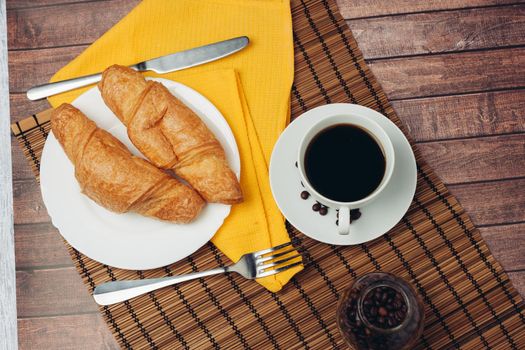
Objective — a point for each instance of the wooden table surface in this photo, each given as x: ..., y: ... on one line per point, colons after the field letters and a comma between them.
x: 454, y: 70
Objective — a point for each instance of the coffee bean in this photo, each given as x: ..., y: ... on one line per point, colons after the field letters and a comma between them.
x: 382, y: 311
x: 354, y: 214
x: 296, y: 164
x: 384, y: 297
x: 323, y: 211
x: 337, y: 222
x: 401, y: 314
x: 305, y: 195
x: 316, y: 207
x: 373, y: 311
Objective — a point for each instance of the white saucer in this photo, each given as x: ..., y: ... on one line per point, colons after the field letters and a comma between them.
x: 129, y: 240
x: 377, y: 217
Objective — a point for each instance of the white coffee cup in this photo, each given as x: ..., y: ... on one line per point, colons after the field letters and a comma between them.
x: 382, y: 139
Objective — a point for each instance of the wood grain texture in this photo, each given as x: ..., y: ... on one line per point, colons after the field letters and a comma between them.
x: 76, y: 332
x: 403, y: 78
x: 39, y: 27
x: 28, y: 205
x: 52, y: 292
x: 506, y: 242
x: 21, y: 107
x: 451, y: 73
x: 367, y: 8
x: 40, y: 245
x: 436, y: 32
x: 478, y: 159
x: 518, y: 280
x: 21, y: 168
x: 479, y: 114
x: 491, y: 203
x: 28, y: 68
x: 8, y: 335
x: 18, y: 4
x: 488, y: 203
x: 427, y: 119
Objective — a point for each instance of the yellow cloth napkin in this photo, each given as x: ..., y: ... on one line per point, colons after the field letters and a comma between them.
x: 251, y: 88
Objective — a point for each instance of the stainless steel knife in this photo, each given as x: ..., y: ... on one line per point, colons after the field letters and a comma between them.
x: 169, y: 63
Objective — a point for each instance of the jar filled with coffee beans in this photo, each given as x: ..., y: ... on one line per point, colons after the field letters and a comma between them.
x: 380, y: 311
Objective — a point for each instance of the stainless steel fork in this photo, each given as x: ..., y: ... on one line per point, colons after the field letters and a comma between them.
x: 258, y: 264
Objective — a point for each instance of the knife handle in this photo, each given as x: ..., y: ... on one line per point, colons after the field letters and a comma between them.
x: 50, y: 89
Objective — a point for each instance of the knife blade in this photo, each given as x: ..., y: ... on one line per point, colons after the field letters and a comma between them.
x: 164, y: 64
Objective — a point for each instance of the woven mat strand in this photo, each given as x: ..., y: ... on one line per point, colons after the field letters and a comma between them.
x: 470, y: 302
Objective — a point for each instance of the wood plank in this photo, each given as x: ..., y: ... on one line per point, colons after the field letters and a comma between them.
x: 455, y: 161
x: 433, y: 118
x: 477, y: 159
x: 30, y: 67
x: 449, y: 74
x: 402, y: 78
x: 506, y: 243
x: 8, y: 337
x: 367, y: 8
x: 447, y: 117
x: 18, y: 4
x: 21, y: 168
x: 488, y: 203
x: 28, y: 205
x: 437, y: 32
x: 52, y: 292
x: 40, y: 245
x: 39, y: 27
x: 21, y: 107
x: 78, y: 332
x: 518, y: 280
x: 492, y: 203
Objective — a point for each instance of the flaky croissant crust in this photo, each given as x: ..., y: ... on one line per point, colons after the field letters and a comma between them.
x: 111, y: 176
x: 169, y: 133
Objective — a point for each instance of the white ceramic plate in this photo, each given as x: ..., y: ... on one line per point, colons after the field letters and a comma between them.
x: 377, y: 217
x: 129, y: 240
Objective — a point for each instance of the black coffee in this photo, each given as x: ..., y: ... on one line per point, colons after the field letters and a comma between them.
x: 344, y: 163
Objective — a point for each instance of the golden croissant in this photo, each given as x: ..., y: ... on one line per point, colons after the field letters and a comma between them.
x: 114, y: 178
x: 169, y: 133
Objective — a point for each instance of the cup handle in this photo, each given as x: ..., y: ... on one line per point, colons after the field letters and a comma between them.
x: 344, y: 221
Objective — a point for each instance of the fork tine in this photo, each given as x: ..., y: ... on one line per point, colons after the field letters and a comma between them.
x: 270, y: 257
x: 280, y: 269
x: 278, y: 262
x: 269, y: 250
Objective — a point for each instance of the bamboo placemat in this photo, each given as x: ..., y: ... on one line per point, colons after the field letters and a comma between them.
x: 470, y: 302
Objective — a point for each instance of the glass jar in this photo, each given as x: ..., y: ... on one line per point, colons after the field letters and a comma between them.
x: 380, y: 311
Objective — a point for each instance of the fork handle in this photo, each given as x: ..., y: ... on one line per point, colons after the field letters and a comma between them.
x: 117, y: 291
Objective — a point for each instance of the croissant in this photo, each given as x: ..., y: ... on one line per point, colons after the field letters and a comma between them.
x: 170, y: 134
x: 111, y: 176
